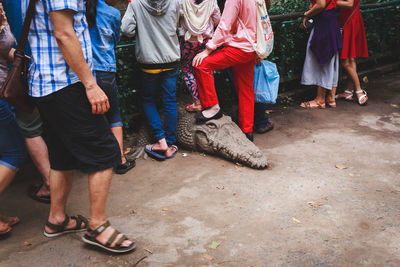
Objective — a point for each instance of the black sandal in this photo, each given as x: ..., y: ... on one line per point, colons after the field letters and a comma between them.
x: 90, y: 238
x: 60, y: 228
x: 34, y: 189
x: 124, y: 168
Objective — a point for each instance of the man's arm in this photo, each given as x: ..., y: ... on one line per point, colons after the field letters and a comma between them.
x: 128, y: 27
x: 345, y: 3
x: 72, y: 51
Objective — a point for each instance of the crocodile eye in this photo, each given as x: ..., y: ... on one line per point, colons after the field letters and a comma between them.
x: 211, y: 126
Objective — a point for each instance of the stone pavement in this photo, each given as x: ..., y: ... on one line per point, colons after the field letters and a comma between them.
x: 302, y: 211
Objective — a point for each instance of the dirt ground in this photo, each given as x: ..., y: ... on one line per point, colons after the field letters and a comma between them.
x: 330, y: 198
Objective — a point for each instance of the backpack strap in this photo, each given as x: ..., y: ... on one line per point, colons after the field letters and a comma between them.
x: 248, y: 35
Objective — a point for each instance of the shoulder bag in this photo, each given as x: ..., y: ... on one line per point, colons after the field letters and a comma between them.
x: 15, y: 88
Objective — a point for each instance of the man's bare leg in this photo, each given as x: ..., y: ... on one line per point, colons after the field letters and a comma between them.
x: 118, y: 133
x: 99, y: 185
x: 6, y: 176
x: 60, y: 187
x: 37, y: 149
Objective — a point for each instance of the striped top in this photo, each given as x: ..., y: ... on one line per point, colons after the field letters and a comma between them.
x: 49, y: 72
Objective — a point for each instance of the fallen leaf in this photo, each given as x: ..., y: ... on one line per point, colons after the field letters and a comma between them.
x: 395, y: 106
x: 239, y: 164
x: 296, y: 220
x: 325, y: 239
x: 238, y: 168
x: 313, y: 205
x: 202, y: 154
x: 340, y: 167
x: 208, y: 257
x: 365, y: 79
x: 214, y: 244
x: 351, y: 174
x: 164, y: 209
x: 27, y: 244
x: 149, y: 251
x: 184, y: 155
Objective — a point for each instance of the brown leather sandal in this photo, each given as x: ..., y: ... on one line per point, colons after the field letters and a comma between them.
x: 4, y: 228
x: 11, y: 221
x: 309, y: 105
x: 91, y: 235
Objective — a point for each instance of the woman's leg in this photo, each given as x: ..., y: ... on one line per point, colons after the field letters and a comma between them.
x: 12, y: 153
x: 188, y: 51
x: 318, y: 102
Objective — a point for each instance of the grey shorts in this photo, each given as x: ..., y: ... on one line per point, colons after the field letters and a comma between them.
x: 30, y: 124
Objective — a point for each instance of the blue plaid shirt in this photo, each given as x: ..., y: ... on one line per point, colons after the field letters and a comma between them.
x: 49, y: 72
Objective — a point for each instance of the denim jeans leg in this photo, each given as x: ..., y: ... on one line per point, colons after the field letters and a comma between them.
x: 168, y: 85
x: 260, y: 117
x: 149, y: 87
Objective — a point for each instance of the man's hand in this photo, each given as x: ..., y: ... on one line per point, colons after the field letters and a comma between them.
x: 200, y: 56
x: 98, y: 99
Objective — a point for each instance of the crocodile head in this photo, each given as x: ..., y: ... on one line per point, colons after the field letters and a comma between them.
x: 221, y: 137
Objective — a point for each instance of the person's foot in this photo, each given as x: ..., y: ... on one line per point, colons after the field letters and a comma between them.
x: 346, y: 95
x: 362, y: 97
x: 108, y: 238
x: 44, y: 191
x: 250, y: 136
x: 56, y: 227
x: 156, y: 150
x: 331, y: 102
x: 10, y: 221
x: 125, y: 167
x: 266, y: 128
x: 194, y: 107
x: 39, y: 192
x: 4, y: 228
x: 171, y: 152
x: 204, y: 116
x: 313, y: 104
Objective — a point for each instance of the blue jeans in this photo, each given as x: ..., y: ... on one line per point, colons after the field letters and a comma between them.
x: 12, y: 146
x: 150, y: 84
x: 107, y: 82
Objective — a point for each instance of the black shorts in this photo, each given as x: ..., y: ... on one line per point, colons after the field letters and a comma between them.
x: 76, y: 138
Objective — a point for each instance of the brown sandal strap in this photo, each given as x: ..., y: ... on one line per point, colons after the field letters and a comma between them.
x: 95, y: 232
x: 79, y: 220
x: 58, y: 227
x: 120, y: 240
x: 112, y: 238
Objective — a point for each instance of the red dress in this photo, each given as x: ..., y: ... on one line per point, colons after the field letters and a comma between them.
x: 354, y: 40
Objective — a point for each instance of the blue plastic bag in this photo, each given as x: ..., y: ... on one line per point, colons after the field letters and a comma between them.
x: 265, y: 82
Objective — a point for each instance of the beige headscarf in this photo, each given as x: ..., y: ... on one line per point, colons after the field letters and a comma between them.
x: 196, y: 17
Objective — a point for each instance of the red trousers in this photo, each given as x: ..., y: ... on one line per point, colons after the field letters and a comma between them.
x: 243, y: 71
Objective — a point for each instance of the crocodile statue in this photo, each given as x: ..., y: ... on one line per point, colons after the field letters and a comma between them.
x: 220, y: 137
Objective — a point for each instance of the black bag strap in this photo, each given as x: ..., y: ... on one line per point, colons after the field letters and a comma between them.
x: 27, y: 24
